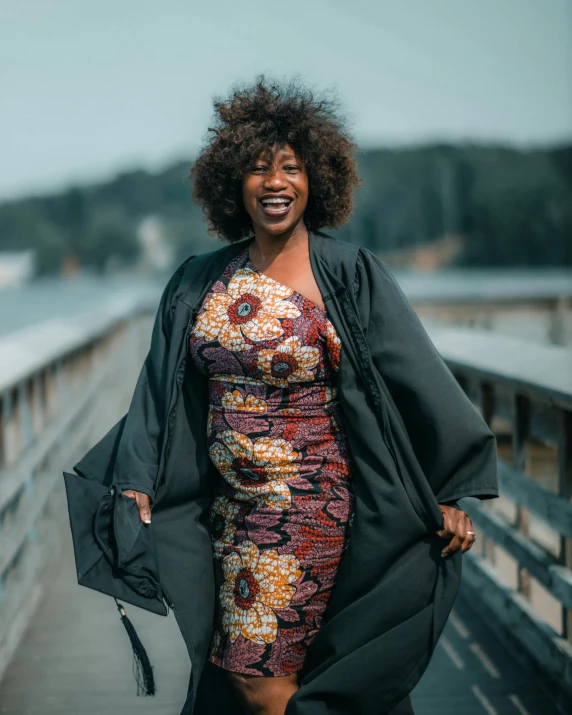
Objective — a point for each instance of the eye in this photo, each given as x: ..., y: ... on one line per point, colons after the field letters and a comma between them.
x: 292, y: 167
x: 258, y: 169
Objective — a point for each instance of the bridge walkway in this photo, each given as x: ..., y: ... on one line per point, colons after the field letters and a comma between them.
x: 75, y: 659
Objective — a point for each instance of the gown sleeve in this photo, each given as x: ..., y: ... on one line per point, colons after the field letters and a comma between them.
x: 452, y: 503
x: 452, y: 443
x: 137, y: 460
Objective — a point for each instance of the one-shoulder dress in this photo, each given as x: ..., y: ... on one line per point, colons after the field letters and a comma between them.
x: 285, y: 499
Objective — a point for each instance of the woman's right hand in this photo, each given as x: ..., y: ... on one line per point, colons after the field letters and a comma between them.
x: 143, y: 504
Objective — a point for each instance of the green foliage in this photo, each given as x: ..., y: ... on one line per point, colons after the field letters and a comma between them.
x: 509, y: 207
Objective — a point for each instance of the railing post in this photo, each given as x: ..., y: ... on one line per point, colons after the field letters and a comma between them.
x: 37, y: 405
x: 565, y: 491
x: 520, y: 435
x: 25, y: 415
x: 558, y: 323
x: 487, y: 405
x: 11, y: 427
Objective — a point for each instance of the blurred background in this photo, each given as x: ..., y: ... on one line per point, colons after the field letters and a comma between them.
x: 463, y: 116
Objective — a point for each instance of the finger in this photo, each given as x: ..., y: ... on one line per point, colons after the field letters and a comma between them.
x: 445, y: 533
x: 144, y: 505
x: 460, y: 539
x: 471, y: 536
x: 470, y: 540
x: 448, y: 529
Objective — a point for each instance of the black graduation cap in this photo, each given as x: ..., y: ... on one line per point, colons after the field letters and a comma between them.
x: 115, y: 554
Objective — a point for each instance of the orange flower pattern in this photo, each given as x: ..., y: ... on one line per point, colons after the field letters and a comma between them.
x: 284, y: 502
x: 256, y: 584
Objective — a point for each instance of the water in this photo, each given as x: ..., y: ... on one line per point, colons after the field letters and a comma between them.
x: 46, y: 299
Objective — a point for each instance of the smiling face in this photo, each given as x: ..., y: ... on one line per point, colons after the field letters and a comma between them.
x: 275, y: 192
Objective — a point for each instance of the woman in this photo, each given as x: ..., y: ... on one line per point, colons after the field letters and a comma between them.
x: 295, y: 428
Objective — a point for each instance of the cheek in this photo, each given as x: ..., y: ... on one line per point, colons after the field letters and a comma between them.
x: 248, y: 197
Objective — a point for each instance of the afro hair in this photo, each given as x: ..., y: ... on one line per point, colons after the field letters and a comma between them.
x: 264, y: 116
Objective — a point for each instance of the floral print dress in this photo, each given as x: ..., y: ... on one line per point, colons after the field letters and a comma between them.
x: 285, y: 498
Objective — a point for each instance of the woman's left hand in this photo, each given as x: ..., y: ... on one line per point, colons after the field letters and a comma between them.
x: 458, y: 528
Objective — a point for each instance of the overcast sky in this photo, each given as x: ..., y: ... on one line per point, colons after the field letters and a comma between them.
x: 90, y: 87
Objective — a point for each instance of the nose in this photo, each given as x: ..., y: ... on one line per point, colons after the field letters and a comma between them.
x: 274, y: 180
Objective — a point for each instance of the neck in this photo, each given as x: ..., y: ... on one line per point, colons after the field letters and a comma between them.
x: 266, y: 246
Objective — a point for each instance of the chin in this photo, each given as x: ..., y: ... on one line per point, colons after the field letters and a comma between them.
x: 279, y: 228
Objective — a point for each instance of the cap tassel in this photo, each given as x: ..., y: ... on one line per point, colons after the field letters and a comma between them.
x: 142, y: 668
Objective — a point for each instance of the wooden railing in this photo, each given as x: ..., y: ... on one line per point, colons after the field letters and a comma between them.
x: 520, y: 569
x: 62, y: 384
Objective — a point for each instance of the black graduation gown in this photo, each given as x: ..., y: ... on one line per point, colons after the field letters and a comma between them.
x: 416, y: 439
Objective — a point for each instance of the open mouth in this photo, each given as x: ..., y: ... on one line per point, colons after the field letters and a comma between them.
x: 277, y: 206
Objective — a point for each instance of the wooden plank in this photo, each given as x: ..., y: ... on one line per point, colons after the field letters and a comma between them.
x: 565, y: 492
x: 544, y: 567
x: 541, y: 372
x: 548, y: 653
x: 550, y: 508
x: 13, y: 477
x: 13, y: 539
x: 76, y: 658
x: 544, y: 422
x: 18, y: 610
x: 470, y: 656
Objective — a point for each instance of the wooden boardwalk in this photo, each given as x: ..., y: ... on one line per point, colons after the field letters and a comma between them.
x: 76, y: 660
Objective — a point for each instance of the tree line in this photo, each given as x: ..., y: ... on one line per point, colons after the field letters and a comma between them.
x: 509, y: 207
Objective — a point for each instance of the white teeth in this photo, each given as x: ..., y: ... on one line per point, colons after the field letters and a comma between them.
x: 275, y: 201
